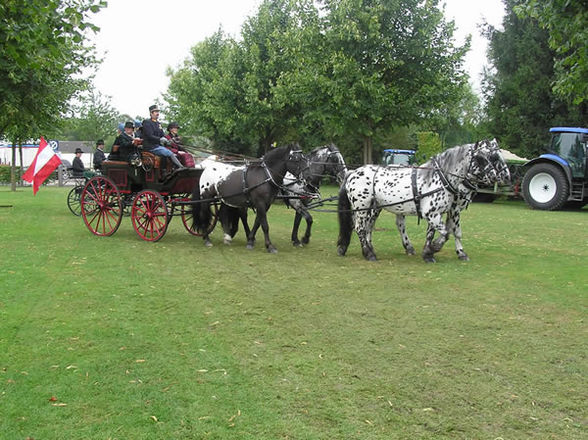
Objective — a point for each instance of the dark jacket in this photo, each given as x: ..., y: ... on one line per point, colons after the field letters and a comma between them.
x: 152, y: 133
x: 99, y: 157
x: 125, y: 147
x: 77, y: 167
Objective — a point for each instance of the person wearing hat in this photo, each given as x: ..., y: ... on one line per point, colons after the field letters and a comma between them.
x: 176, y: 146
x: 99, y: 155
x: 154, y: 138
x: 77, y: 165
x: 125, y: 143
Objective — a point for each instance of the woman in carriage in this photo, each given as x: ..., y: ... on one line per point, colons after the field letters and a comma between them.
x: 176, y: 146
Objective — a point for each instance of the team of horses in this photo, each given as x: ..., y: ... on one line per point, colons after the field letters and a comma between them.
x: 436, y: 191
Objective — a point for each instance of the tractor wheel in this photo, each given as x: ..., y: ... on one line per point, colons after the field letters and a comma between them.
x: 545, y: 186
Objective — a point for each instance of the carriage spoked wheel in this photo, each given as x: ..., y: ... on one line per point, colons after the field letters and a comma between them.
x: 101, y: 206
x: 74, y: 200
x: 149, y: 215
x: 187, y: 217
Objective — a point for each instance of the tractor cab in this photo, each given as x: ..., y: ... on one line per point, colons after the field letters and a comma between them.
x: 569, y: 147
x: 396, y: 157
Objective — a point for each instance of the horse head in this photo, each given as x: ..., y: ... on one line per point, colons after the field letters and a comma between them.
x: 336, y: 164
x: 297, y: 162
x: 487, y: 165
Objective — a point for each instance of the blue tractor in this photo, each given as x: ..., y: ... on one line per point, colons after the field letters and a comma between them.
x: 394, y: 156
x: 561, y: 175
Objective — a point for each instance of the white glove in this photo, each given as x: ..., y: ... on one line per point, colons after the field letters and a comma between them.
x: 164, y: 141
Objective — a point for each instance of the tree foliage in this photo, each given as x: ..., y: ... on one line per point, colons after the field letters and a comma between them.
x: 567, y: 25
x: 349, y: 71
x: 43, y: 49
x: 521, y: 105
x: 92, y: 117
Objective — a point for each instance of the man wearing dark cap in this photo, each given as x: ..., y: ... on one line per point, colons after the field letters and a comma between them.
x: 77, y: 165
x: 154, y: 137
x: 99, y: 155
x: 125, y: 143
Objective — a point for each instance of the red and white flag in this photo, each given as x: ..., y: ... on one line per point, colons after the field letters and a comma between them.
x: 43, y: 165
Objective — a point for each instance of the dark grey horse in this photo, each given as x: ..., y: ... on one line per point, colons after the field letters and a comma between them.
x: 323, y: 161
x: 252, y: 186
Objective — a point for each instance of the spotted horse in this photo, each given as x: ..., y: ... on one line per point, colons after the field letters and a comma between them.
x: 443, y: 185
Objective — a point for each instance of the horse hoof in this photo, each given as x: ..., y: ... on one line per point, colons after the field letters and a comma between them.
x: 305, y: 240
x: 272, y: 250
x: 341, y: 251
x: 296, y: 243
x: 464, y: 258
x: 208, y: 243
x: 227, y: 242
x: 410, y: 251
x: 429, y: 260
x: 250, y: 246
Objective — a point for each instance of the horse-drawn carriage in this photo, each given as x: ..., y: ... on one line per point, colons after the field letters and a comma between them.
x: 151, y: 194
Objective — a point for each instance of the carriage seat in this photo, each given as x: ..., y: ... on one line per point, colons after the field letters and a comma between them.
x: 148, y: 157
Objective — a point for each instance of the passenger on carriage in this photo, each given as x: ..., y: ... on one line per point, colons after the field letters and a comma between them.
x: 154, y: 138
x: 99, y: 155
x: 125, y: 144
x: 176, y: 146
x: 77, y: 166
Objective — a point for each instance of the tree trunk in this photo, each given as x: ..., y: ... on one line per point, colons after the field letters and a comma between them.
x: 13, y: 168
x: 19, y: 179
x: 367, y: 150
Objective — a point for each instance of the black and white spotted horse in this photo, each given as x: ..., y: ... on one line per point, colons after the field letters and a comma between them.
x: 443, y: 185
x: 323, y: 161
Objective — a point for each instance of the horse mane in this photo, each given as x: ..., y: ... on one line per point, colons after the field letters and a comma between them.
x: 278, y: 154
x: 452, y: 159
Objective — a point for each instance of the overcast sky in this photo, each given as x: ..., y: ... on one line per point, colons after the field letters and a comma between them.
x: 166, y: 30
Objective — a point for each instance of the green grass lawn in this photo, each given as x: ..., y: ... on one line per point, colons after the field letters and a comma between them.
x: 116, y: 338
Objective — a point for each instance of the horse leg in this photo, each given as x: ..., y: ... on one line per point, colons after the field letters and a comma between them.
x: 400, y: 224
x: 262, y: 215
x: 454, y: 225
x: 243, y: 217
x: 364, y: 222
x: 432, y: 246
x: 294, y: 237
x: 308, y: 218
x: 251, y: 236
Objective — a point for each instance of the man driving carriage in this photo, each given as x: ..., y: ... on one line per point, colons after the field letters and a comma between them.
x: 154, y: 138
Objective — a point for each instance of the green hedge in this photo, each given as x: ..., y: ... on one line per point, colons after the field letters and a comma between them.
x: 5, y: 173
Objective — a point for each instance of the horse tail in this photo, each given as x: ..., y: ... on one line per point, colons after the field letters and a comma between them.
x: 201, y: 215
x: 345, y: 215
x: 229, y: 218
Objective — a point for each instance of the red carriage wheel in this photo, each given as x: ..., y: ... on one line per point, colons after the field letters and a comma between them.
x: 187, y: 217
x: 101, y: 206
x: 149, y: 215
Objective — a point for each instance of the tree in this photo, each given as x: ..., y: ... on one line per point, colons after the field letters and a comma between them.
x: 390, y: 64
x: 92, y: 117
x: 567, y: 25
x: 43, y: 48
x: 521, y: 105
